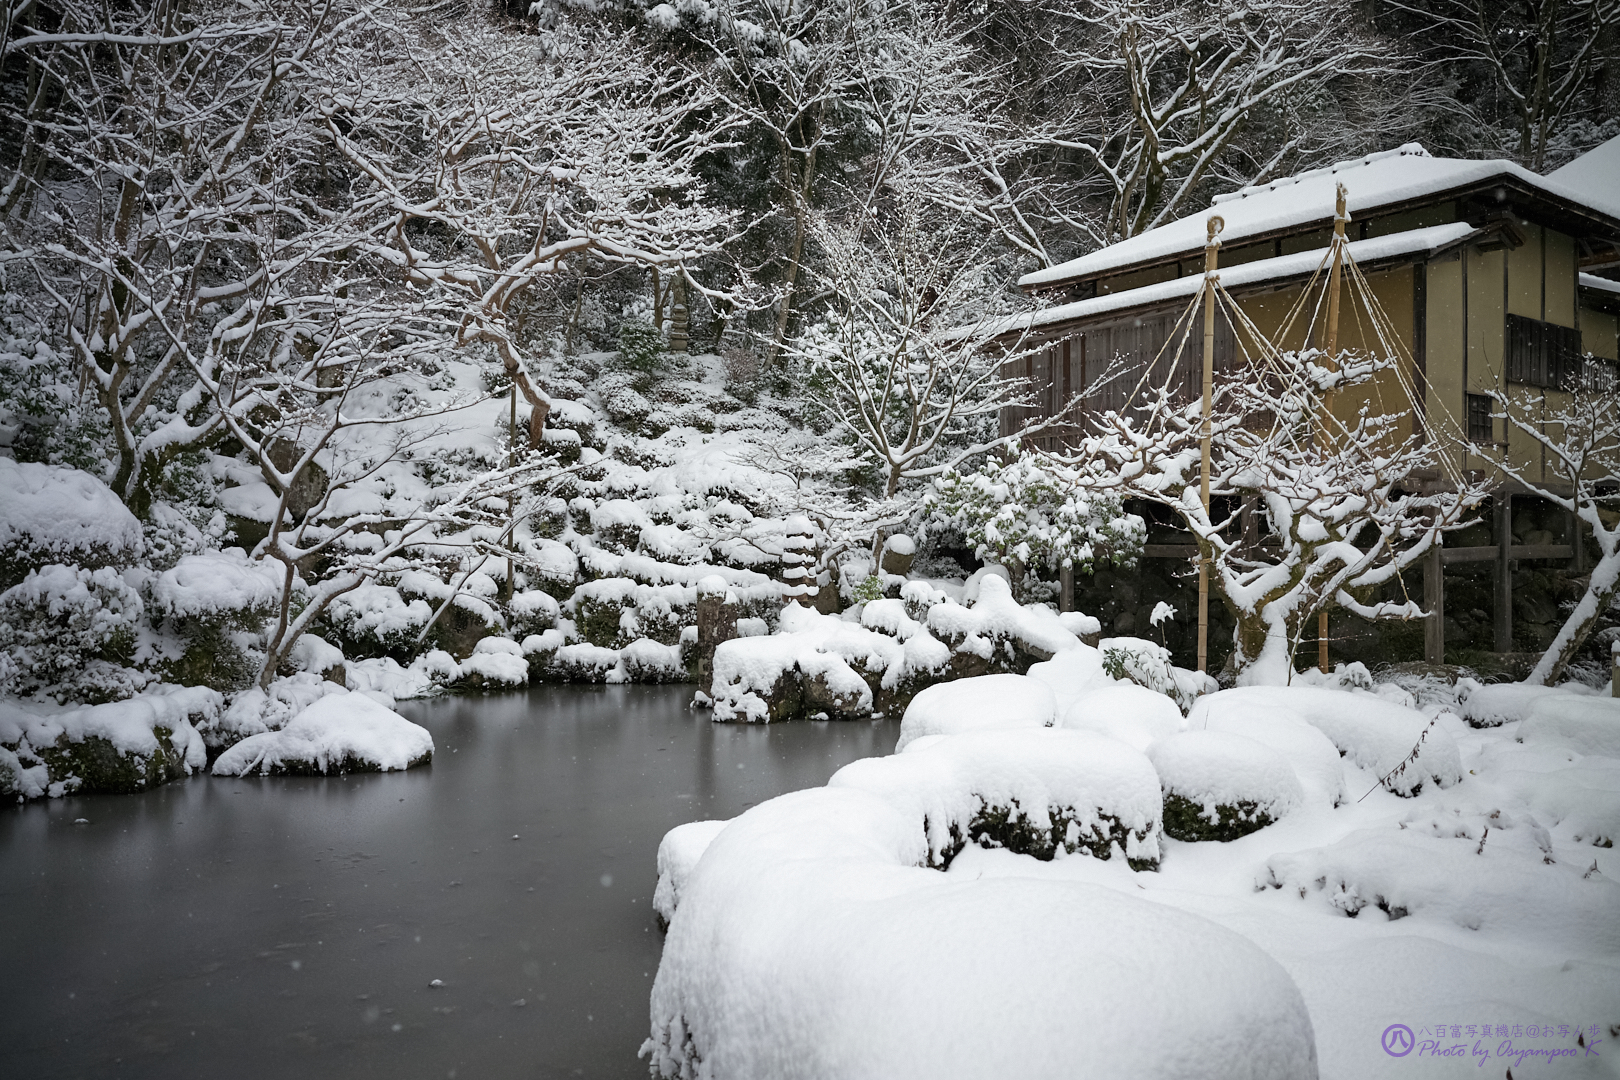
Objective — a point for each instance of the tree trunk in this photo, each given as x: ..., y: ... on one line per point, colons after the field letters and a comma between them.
x: 1600, y: 590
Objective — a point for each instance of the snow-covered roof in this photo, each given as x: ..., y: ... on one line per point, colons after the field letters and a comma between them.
x: 1596, y: 175
x: 1377, y: 180
x: 1296, y: 265
x: 1592, y: 281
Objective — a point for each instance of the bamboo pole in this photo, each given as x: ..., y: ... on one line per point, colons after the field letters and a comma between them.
x: 1212, y: 249
x: 1340, y: 218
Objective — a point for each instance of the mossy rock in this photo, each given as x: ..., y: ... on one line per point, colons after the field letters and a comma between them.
x: 349, y: 764
x: 102, y: 767
x: 1187, y: 820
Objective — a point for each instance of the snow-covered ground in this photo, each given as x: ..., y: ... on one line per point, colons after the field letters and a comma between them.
x: 1471, y: 896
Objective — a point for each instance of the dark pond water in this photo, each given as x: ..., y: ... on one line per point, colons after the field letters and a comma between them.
x: 291, y: 927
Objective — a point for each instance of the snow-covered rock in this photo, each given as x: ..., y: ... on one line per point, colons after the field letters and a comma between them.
x: 1220, y: 786
x: 982, y: 703
x: 495, y: 664
x: 344, y: 732
x: 121, y: 746
x: 812, y: 941
x: 254, y: 711
x: 678, y: 853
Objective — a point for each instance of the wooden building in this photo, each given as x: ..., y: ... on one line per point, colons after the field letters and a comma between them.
x: 1490, y: 275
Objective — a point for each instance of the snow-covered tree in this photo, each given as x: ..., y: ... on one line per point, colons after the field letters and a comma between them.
x: 902, y: 362
x: 504, y: 159
x: 1579, y: 439
x: 1032, y: 513
x: 1166, y: 93
x: 169, y: 159
x: 1337, y: 515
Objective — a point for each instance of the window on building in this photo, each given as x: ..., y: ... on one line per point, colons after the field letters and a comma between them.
x: 1480, y: 428
x: 1541, y: 353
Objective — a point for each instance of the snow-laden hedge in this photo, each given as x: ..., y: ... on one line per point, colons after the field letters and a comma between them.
x: 812, y: 939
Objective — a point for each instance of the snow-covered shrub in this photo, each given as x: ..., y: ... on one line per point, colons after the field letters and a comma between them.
x: 215, y: 603
x: 374, y: 620
x: 495, y: 664
x: 1220, y: 786
x: 997, y: 634
x: 54, y: 515
x: 1312, y: 756
x: 983, y: 703
x: 1405, y: 749
x: 642, y: 348
x: 1037, y: 516
x: 531, y: 611
x: 1133, y: 714
x: 678, y: 853
x: 71, y: 632
x: 1143, y: 662
x: 1495, y: 704
x: 551, y: 566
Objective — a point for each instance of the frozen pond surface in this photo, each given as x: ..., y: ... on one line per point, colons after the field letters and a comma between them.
x: 291, y: 927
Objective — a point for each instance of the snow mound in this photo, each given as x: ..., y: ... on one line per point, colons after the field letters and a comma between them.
x: 66, y: 513
x: 810, y: 942
x: 338, y: 733
x: 1587, y: 725
x: 1369, y: 731
x: 495, y: 663
x: 678, y: 853
x: 1047, y: 793
x: 1496, y: 704
x: 1312, y: 756
x: 1219, y: 786
x: 1133, y: 714
x: 1441, y: 863
x: 982, y: 703
x: 1071, y: 674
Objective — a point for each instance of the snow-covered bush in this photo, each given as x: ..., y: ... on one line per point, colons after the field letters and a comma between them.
x: 215, y: 603
x: 374, y: 620
x: 810, y: 937
x: 1220, y: 786
x: 54, y: 515
x: 983, y: 703
x: 1037, y: 516
x: 1142, y: 662
x: 71, y: 631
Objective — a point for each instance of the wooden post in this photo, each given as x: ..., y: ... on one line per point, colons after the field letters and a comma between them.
x: 1340, y: 217
x: 511, y: 529
x: 1212, y: 247
x: 1434, y: 601
x: 1066, y: 587
x: 1504, y: 572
